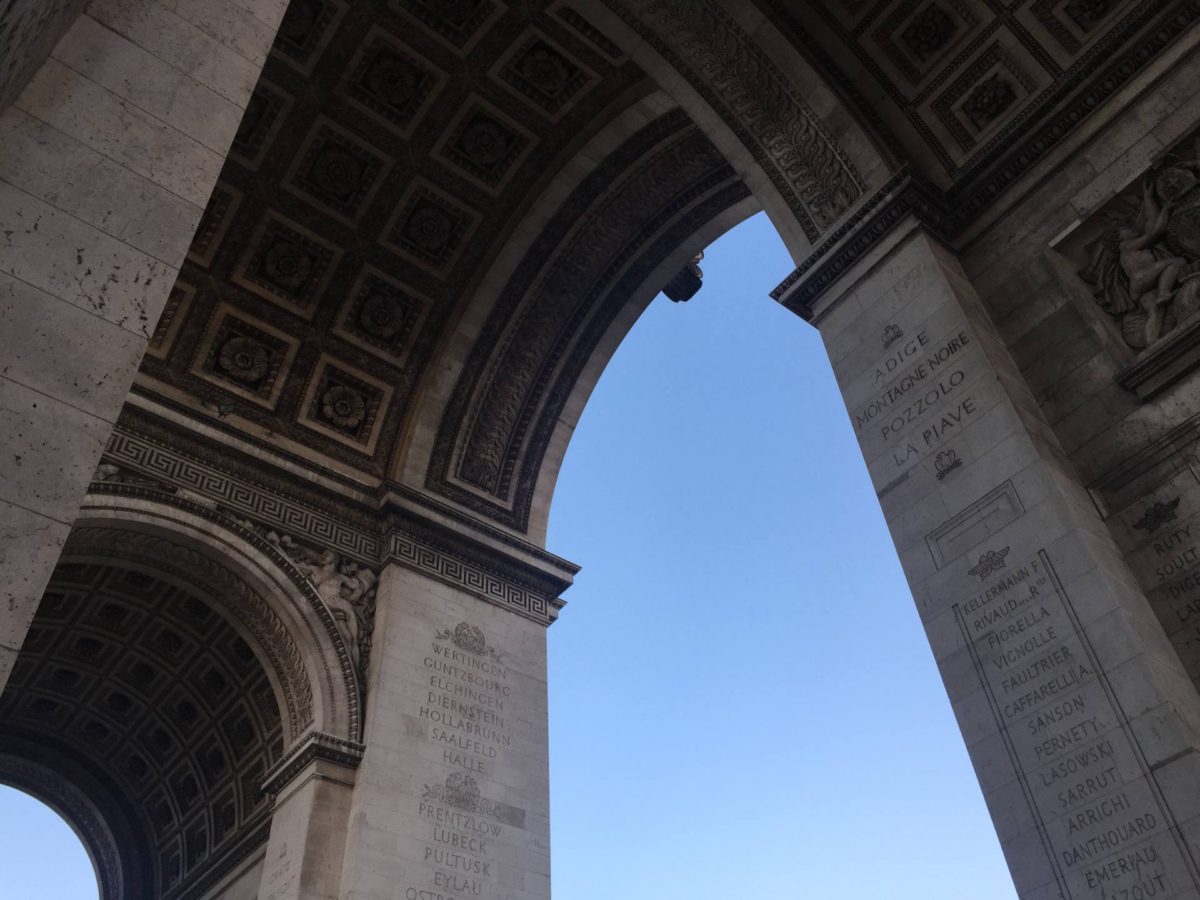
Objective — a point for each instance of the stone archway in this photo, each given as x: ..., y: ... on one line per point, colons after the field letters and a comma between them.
x: 435, y: 223
x: 181, y: 672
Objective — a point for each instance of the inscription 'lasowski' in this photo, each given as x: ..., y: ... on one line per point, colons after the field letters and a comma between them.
x: 1100, y: 818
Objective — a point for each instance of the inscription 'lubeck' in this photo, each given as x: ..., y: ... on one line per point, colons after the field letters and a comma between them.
x: 465, y: 705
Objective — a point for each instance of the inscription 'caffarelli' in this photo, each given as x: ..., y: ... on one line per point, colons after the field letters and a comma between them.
x: 1104, y: 829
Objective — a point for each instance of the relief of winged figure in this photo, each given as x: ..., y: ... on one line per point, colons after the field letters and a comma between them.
x: 1145, y: 268
x: 347, y: 589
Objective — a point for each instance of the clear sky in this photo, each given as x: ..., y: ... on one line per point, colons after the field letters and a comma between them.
x: 742, y: 701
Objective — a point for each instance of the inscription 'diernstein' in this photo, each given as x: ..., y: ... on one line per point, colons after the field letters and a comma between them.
x: 465, y: 704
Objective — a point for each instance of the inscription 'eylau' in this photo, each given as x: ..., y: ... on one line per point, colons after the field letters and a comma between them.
x: 464, y: 705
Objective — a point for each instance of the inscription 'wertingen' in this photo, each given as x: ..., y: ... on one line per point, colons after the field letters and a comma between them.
x: 465, y: 702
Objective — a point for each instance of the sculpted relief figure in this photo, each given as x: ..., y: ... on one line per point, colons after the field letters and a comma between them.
x: 347, y: 589
x: 1145, y: 269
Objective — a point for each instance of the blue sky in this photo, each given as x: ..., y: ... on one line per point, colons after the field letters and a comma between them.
x: 743, y: 703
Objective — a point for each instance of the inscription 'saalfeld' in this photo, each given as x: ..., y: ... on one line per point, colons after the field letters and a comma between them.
x: 465, y: 707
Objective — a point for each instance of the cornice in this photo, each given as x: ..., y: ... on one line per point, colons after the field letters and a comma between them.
x: 398, y: 525
x: 315, y: 745
x: 905, y: 194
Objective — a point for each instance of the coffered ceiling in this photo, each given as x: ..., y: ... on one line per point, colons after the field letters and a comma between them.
x: 387, y: 152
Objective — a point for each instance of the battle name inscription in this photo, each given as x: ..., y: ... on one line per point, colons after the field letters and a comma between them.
x: 922, y: 396
x: 1105, y: 828
x: 465, y: 703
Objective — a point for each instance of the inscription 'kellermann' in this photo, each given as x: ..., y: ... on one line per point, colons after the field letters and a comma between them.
x: 1105, y: 828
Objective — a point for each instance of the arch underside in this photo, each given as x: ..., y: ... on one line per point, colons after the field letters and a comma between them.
x: 435, y: 223
x: 143, y: 699
x: 175, y: 664
x: 432, y: 213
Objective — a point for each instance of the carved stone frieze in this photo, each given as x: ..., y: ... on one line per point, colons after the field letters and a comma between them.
x: 1144, y: 269
x: 345, y: 586
x: 756, y: 100
x: 321, y: 547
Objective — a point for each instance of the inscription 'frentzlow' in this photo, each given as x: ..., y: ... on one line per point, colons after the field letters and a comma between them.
x: 465, y: 703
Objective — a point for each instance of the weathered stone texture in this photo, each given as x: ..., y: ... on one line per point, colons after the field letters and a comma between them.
x: 106, y: 161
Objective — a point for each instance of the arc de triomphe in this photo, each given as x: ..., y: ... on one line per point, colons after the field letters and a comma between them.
x: 300, y: 302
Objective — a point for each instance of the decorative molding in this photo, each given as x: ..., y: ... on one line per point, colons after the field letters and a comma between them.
x: 1163, y: 364
x: 271, y: 503
x: 756, y: 100
x: 1018, y: 147
x: 469, y: 554
x: 77, y: 808
x: 904, y: 195
x: 974, y: 524
x: 504, y: 589
x: 313, y: 746
x: 660, y: 184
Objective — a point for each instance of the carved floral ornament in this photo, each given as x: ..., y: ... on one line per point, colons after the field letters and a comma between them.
x: 1144, y: 269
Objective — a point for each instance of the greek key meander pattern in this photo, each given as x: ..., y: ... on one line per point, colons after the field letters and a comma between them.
x: 473, y: 578
x: 213, y: 484
x: 254, y: 502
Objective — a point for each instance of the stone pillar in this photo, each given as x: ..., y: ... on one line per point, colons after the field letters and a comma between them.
x: 1079, y: 718
x: 312, y: 790
x: 452, y: 797
x: 107, y: 159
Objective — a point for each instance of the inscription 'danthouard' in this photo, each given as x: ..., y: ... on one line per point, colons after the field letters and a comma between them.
x: 1104, y: 827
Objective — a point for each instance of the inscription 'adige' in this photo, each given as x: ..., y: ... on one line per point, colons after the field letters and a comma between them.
x: 922, y: 400
x: 1102, y: 825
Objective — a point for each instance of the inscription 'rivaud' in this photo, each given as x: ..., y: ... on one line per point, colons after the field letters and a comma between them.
x: 1104, y: 826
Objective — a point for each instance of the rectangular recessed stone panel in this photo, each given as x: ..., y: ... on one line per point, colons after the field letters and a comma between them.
x: 975, y: 524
